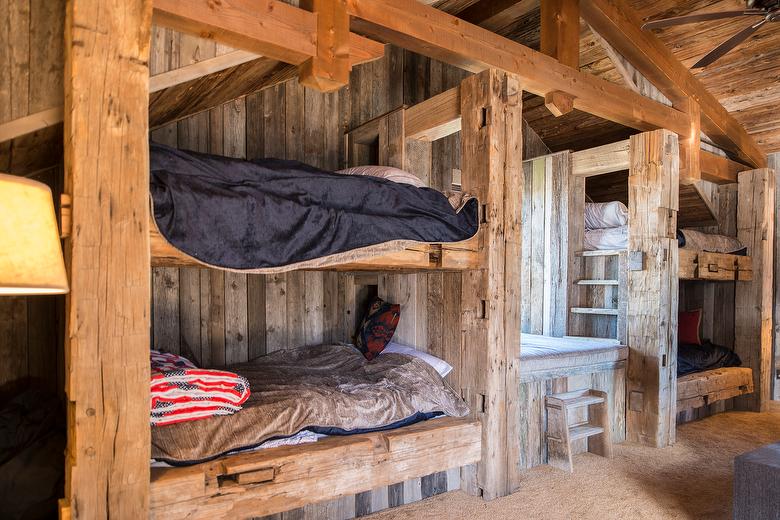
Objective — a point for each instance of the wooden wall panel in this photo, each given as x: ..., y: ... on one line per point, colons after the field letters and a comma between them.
x: 774, y: 165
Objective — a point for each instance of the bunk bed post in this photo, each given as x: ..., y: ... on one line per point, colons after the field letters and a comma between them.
x: 107, y: 312
x: 753, y: 298
x: 653, y: 185
x: 491, y: 162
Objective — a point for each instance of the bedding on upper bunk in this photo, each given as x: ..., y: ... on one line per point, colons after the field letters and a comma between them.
x: 602, y: 215
x: 537, y: 346
x: 328, y: 389
x: 709, y: 242
x: 272, y: 215
x: 606, y: 239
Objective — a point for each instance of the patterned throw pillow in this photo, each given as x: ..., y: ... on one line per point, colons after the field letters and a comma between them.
x: 377, y: 328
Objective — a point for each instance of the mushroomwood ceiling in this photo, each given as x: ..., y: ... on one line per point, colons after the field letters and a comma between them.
x: 746, y: 81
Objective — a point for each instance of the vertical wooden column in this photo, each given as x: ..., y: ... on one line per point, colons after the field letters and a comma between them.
x: 753, y: 299
x: 774, y: 164
x: 491, y: 107
x: 107, y: 330
x: 653, y: 185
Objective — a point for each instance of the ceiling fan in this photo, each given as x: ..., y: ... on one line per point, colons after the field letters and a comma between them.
x: 767, y: 10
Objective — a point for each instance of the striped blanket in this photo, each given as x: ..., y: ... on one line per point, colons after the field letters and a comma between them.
x: 182, y: 392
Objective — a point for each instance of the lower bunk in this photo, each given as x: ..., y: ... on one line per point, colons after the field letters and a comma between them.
x: 551, y: 365
x: 284, y: 478
x: 303, y: 426
x: 702, y: 393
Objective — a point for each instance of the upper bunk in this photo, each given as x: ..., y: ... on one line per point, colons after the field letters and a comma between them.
x: 395, y: 139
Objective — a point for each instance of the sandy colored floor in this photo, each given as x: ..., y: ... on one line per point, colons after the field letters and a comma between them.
x: 692, y: 479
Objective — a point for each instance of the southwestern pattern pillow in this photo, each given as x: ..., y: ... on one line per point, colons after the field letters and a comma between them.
x: 377, y: 328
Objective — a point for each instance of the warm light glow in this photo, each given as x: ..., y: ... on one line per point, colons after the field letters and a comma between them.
x: 30, y: 251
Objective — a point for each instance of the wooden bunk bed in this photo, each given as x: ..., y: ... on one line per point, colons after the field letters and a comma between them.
x: 108, y: 312
x: 279, y: 479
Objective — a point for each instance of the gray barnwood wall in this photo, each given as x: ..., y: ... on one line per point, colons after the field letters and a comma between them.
x: 221, y: 318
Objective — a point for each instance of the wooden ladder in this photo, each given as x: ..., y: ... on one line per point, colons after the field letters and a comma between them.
x: 560, y: 434
x: 600, y: 295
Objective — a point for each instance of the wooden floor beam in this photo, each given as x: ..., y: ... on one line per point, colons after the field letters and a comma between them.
x: 108, y: 310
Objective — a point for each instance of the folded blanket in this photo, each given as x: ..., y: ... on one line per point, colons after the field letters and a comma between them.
x: 181, y: 392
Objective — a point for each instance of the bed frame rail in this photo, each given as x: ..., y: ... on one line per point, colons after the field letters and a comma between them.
x: 279, y: 479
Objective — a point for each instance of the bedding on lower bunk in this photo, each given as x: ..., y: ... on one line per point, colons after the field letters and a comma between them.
x: 706, y: 356
x: 330, y: 389
x: 272, y: 215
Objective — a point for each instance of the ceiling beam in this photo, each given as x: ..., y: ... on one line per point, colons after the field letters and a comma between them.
x: 618, y: 24
x: 444, y: 37
x: 560, y: 36
x: 329, y: 69
x: 496, y: 14
x: 267, y: 27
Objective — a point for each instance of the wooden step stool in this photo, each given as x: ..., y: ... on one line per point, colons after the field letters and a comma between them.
x: 560, y: 434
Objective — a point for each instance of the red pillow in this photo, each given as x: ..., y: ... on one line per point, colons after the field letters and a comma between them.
x: 377, y: 328
x: 688, y: 326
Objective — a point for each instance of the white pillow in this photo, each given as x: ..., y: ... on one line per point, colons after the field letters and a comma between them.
x: 441, y: 366
x: 385, y: 172
x: 602, y: 215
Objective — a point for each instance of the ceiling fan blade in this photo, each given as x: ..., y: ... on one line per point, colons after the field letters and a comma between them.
x: 701, y: 17
x: 728, y: 45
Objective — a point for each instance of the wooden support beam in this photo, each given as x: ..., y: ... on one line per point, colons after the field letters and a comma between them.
x: 491, y: 162
x: 560, y: 36
x: 267, y: 27
x: 558, y: 103
x: 436, y: 34
x: 29, y: 124
x: 496, y: 14
x: 107, y: 312
x: 690, y: 147
x: 753, y: 299
x: 329, y: 69
x: 434, y: 118
x: 199, y: 69
x: 202, y: 93
x: 613, y: 157
x: 652, y: 288
x: 617, y: 23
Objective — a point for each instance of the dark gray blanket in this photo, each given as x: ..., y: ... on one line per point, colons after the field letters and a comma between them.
x: 270, y: 213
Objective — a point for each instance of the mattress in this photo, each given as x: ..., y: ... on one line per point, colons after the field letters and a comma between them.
x: 710, y: 242
x: 542, y: 357
x: 606, y: 239
x: 327, y: 388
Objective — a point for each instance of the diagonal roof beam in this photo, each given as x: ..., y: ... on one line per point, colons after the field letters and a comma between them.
x: 620, y: 26
x: 441, y: 36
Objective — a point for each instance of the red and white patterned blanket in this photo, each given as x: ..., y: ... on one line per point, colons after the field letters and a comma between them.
x: 182, y: 392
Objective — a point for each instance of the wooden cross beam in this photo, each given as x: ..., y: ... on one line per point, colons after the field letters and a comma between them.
x: 619, y: 25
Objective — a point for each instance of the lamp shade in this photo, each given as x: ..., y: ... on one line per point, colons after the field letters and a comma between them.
x: 30, y: 251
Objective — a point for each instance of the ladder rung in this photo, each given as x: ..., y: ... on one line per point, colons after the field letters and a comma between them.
x: 597, y: 282
x: 601, y: 252
x: 595, y: 310
x: 576, y: 399
x: 580, y: 431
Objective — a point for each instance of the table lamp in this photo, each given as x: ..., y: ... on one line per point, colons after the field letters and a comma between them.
x: 30, y: 250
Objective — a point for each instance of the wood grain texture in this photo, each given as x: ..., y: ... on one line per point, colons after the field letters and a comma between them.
x: 753, y: 299
x: 108, y: 315
x: 652, y: 290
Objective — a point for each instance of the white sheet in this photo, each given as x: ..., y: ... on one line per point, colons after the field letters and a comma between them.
x: 606, y: 239
x: 536, y: 346
x: 601, y: 215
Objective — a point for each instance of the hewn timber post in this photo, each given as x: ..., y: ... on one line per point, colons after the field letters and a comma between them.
x: 107, y: 329
x: 653, y: 185
x: 753, y: 298
x: 774, y: 164
x: 491, y: 107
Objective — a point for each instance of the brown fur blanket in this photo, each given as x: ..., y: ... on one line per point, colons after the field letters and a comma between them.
x: 325, y: 386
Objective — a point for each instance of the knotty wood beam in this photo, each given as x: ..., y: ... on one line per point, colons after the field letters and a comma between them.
x: 108, y: 309
x: 558, y: 103
x: 494, y: 14
x: 652, y: 288
x: 267, y: 27
x: 753, y: 299
x: 329, y: 69
x: 436, y: 34
x: 617, y: 23
x: 560, y: 36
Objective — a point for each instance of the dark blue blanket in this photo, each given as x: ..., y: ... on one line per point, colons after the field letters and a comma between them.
x: 270, y: 213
